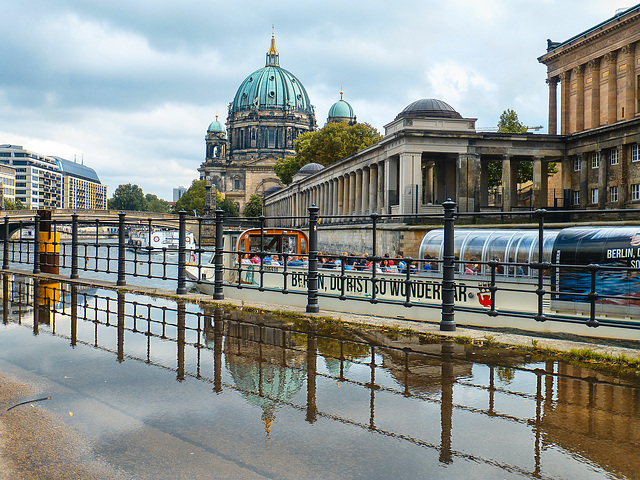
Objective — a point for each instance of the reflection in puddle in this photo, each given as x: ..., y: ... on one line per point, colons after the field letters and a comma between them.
x: 285, y: 398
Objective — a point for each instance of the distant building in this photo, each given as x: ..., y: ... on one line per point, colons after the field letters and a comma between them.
x: 8, y: 182
x: 178, y: 192
x: 81, y: 187
x: 38, y: 182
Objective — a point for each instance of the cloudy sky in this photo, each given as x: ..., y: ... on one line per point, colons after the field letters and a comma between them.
x: 131, y: 86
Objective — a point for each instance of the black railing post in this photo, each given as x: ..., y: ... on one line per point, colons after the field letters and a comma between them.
x: 448, y: 323
x: 5, y: 252
x: 36, y: 244
x: 121, y: 251
x: 182, y: 235
x: 312, y: 277
x: 540, y: 291
x: 218, y: 291
x: 74, y: 246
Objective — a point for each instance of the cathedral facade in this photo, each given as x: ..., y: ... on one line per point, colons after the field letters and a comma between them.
x: 269, y: 111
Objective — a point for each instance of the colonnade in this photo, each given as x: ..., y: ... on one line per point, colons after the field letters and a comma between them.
x: 591, y: 95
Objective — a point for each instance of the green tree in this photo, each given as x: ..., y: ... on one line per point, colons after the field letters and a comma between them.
x: 155, y: 204
x: 229, y: 207
x: 509, y: 123
x: 253, y: 207
x: 331, y: 143
x: 128, y: 197
x: 192, y: 199
x: 17, y: 205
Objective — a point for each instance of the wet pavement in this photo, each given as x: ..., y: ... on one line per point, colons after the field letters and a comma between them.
x: 146, y: 387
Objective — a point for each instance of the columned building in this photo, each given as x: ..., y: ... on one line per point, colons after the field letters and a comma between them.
x: 597, y: 74
x: 428, y: 154
x: 269, y: 111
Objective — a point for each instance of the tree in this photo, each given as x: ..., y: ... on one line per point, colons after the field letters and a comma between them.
x: 128, y: 197
x: 229, y: 207
x: 509, y: 123
x: 10, y: 205
x: 331, y: 143
x: 253, y: 207
x: 155, y: 204
x: 192, y: 199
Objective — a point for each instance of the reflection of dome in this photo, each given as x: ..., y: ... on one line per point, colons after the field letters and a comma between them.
x: 429, y: 107
x: 271, y: 190
x: 271, y: 88
x: 341, y: 111
x: 215, y: 127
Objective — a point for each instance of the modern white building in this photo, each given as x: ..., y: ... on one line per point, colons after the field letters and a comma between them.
x: 48, y: 182
x: 38, y: 182
x: 81, y: 187
x: 8, y: 182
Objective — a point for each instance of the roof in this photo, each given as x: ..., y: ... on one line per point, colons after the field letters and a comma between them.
x: 554, y: 45
x: 77, y: 170
x: 341, y: 109
x: 429, y: 107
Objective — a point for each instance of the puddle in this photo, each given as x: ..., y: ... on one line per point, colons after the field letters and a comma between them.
x: 166, y: 390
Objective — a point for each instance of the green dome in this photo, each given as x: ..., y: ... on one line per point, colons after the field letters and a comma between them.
x: 216, y: 126
x: 341, y: 109
x: 271, y: 88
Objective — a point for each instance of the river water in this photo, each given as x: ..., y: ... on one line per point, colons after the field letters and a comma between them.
x: 160, y: 389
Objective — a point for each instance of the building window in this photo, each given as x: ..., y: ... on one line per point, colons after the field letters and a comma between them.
x: 576, y: 164
x: 614, y: 157
x: 595, y: 160
x: 613, y: 194
x: 236, y: 184
x: 635, y: 192
x: 576, y: 197
x: 635, y: 153
x: 594, y: 195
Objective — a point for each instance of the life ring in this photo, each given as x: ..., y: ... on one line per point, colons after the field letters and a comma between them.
x: 156, y: 238
x: 193, y: 257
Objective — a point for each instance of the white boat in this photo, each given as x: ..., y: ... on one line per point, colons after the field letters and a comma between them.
x: 159, y: 240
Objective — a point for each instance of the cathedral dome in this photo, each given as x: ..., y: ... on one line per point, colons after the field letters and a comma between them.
x: 271, y: 88
x: 429, y: 107
x: 341, y: 111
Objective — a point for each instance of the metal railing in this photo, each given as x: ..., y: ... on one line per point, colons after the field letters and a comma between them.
x: 91, y: 246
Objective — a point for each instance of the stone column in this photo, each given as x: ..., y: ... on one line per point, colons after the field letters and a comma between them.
x: 578, y: 72
x: 381, y: 201
x: 410, y: 184
x: 352, y: 194
x: 602, y: 181
x: 564, y: 108
x: 540, y: 183
x: 553, y: 106
x: 365, y: 190
x: 340, y: 196
x: 594, y: 66
x: 347, y: 190
x: 373, y: 188
x: 358, y: 192
x: 468, y: 175
x: 628, y: 52
x: 332, y: 197
x: 612, y: 87
x: 509, y: 183
x: 484, y: 183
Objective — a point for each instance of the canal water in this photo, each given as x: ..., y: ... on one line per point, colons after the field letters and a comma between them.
x: 159, y: 389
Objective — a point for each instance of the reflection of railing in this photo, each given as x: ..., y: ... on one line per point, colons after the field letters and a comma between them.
x: 428, y: 373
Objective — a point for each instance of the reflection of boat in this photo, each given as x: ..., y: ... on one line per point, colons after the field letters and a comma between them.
x: 142, y: 240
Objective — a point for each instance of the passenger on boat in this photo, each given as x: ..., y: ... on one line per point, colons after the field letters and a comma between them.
x: 255, y: 259
x: 246, y: 259
x: 275, y: 261
x: 330, y: 263
x: 295, y: 262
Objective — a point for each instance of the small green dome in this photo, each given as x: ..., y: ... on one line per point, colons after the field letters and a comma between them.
x: 215, y: 127
x: 341, y: 111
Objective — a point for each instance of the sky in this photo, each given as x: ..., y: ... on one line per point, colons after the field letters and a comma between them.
x: 129, y: 88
